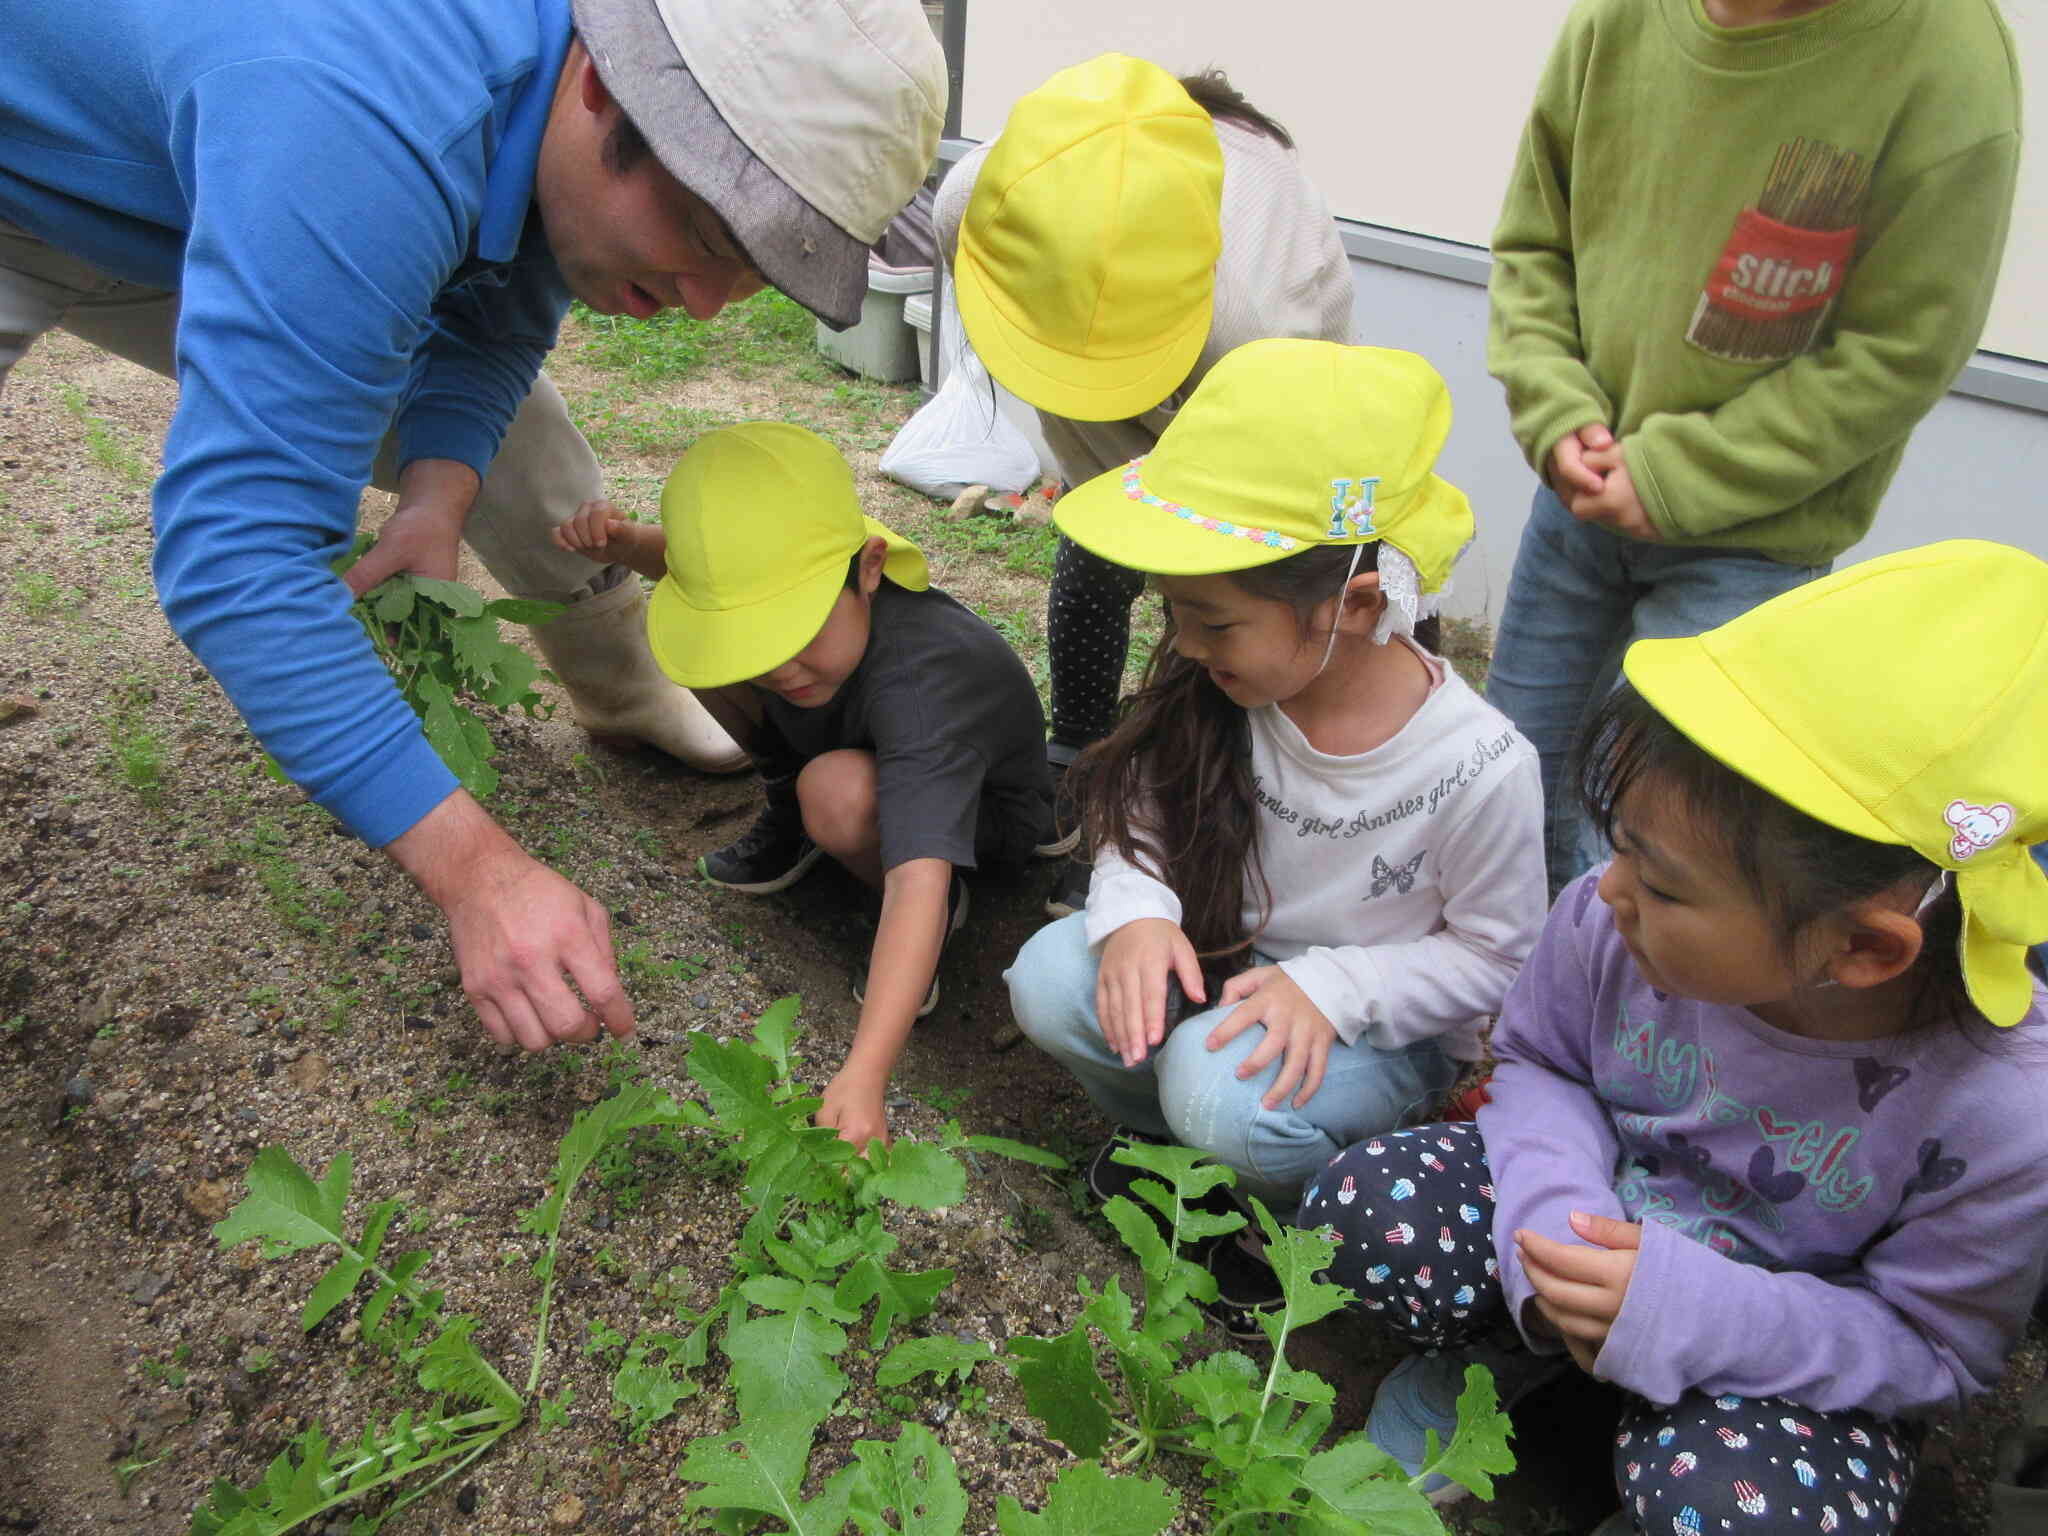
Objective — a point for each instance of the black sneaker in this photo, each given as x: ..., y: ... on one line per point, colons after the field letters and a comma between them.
x: 956, y: 919
x: 1108, y: 1178
x: 771, y: 855
x: 1070, y: 895
x: 1245, y: 1285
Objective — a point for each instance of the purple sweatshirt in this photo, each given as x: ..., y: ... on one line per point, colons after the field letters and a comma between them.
x: 1846, y: 1224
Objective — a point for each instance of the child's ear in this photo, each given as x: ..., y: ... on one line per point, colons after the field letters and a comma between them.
x: 872, y: 556
x: 1881, y: 943
x: 1363, y: 601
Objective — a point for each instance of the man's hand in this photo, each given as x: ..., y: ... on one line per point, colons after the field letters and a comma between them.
x: 1579, y: 1290
x: 1296, y: 1030
x: 855, y: 1104
x: 1130, y: 984
x: 517, y: 927
x: 1615, y: 505
x: 1570, y: 474
x: 425, y: 534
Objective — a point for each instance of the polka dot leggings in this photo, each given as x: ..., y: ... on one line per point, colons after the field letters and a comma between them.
x: 1413, y: 1214
x: 1087, y: 633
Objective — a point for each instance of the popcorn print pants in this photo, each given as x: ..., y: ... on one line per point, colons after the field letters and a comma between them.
x: 1413, y: 1214
x: 1087, y: 632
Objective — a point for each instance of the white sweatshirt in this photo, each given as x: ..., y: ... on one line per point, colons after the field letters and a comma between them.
x: 1407, y: 881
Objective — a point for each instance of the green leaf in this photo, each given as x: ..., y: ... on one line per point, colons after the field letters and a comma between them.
x: 1297, y: 1258
x: 523, y: 610
x: 1222, y: 1387
x: 392, y: 602
x: 916, y: 1174
x: 1478, y: 1451
x: 940, y: 1355
x: 1023, y: 1152
x: 762, y: 1469
x: 914, y: 1480
x: 1358, y: 1481
x: 1064, y: 1390
x: 783, y: 1154
x: 452, y: 1367
x: 783, y: 1363
x: 285, y: 1208
x: 458, y: 737
x: 896, y: 1294
x: 1086, y: 1501
x: 648, y: 1385
x: 452, y: 595
x: 774, y: 1031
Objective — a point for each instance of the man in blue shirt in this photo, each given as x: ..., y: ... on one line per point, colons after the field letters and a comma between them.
x: 350, y: 233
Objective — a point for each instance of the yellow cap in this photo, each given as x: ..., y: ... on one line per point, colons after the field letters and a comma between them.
x: 1286, y: 444
x: 1087, y: 255
x: 761, y: 521
x: 1904, y: 700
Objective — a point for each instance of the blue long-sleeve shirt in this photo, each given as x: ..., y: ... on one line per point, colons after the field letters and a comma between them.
x: 341, y: 196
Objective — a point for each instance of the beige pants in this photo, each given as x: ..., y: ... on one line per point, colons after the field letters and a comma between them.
x: 544, y: 470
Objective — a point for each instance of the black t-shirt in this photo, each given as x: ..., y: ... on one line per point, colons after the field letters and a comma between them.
x: 953, y: 719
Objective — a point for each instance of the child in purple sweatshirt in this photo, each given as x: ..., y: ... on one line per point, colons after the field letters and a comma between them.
x: 1766, y: 1140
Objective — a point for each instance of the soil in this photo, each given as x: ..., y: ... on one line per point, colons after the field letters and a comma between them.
x: 194, y: 966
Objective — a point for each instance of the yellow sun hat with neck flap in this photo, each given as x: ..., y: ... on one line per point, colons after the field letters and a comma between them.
x: 1286, y: 445
x: 1086, y: 267
x: 1903, y: 700
x: 762, y: 520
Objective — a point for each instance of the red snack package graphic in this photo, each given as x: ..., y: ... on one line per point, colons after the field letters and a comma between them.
x: 1786, y: 259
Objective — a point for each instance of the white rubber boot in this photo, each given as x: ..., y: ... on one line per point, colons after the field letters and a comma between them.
x: 598, y: 649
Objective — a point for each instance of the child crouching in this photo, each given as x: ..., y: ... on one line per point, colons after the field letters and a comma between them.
x: 914, y: 734
x: 1301, y: 798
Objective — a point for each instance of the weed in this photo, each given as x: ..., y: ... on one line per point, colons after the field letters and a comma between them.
x: 810, y: 1274
x: 136, y: 753
x: 41, y: 597
x: 442, y: 643
x: 129, y: 1467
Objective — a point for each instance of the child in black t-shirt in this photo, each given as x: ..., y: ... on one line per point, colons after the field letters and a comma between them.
x: 894, y: 729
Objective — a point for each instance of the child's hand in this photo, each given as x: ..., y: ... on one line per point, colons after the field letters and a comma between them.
x: 1579, y: 1290
x: 1615, y: 505
x: 1294, y: 1026
x: 1570, y: 475
x: 856, y: 1107
x: 591, y: 532
x: 1130, y: 984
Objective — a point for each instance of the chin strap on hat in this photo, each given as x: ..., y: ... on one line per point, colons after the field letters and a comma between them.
x: 1337, y: 618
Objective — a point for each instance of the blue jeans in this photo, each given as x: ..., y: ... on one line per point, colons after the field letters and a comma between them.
x: 1579, y: 595
x: 1188, y: 1092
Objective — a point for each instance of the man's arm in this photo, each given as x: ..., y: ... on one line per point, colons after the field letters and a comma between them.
x: 313, y: 259
x: 900, y: 968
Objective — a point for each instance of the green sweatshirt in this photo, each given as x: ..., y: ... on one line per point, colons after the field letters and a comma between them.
x: 1760, y: 330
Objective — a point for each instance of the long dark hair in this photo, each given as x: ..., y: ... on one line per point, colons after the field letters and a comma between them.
x: 1798, y: 869
x: 1182, y: 753
x: 1215, y: 95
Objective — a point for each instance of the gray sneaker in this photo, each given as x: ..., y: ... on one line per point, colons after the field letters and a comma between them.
x: 1421, y: 1394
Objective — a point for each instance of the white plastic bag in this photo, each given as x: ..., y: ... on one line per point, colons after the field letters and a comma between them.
x: 960, y: 437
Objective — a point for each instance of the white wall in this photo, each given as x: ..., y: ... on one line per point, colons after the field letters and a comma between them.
x: 1407, y: 115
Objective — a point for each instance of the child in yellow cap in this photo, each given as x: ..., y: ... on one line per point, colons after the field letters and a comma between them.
x: 1756, y: 1152
x: 1301, y: 799
x: 1124, y: 233
x: 904, y: 733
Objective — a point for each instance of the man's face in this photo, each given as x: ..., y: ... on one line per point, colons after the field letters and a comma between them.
x: 631, y: 242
